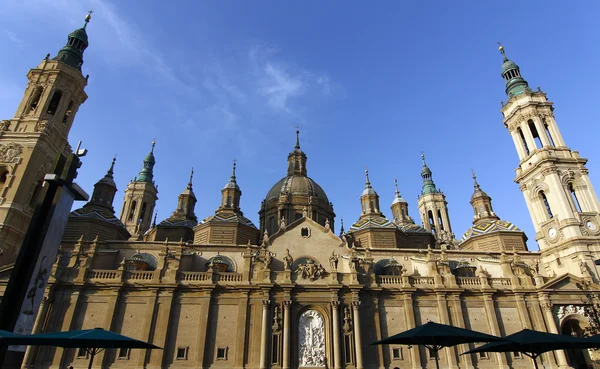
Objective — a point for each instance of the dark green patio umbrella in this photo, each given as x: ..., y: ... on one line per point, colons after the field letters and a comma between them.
x: 9, y: 338
x: 436, y: 336
x: 92, y: 340
x: 534, y: 343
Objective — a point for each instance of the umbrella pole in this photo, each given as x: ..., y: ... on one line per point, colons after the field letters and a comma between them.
x: 437, y: 363
x: 92, y: 354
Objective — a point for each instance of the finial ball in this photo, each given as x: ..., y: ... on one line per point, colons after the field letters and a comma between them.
x: 501, y: 48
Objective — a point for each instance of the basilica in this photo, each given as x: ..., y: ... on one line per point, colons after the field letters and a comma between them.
x: 218, y: 291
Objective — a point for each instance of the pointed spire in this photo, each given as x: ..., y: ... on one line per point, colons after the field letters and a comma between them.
x: 341, y: 227
x: 475, y: 184
x: 396, y: 185
x: 428, y: 184
x: 232, y: 180
x: 146, y: 173
x: 501, y: 48
x: 368, y: 189
x: 297, y: 138
x: 191, y: 178
x: 88, y: 17
x: 72, y: 53
x: 397, y: 197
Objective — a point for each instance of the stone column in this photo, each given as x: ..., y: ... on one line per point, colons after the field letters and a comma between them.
x: 100, y: 359
x: 490, y: 313
x: 337, y: 350
x: 148, y: 322
x: 540, y: 325
x: 32, y: 351
x: 72, y: 303
x: 357, y: 337
x: 518, y: 144
x: 459, y: 320
x: 443, y: 312
x: 522, y: 309
x: 551, y: 324
x: 264, y: 350
x: 242, y: 322
x: 202, y: 328
x: 528, y: 136
x: 378, y: 330
x: 286, y: 333
x: 409, y: 312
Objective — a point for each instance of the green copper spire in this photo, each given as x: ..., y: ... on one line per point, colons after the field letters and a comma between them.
x: 72, y: 52
x: 146, y: 172
x: 515, y: 84
x: 428, y: 184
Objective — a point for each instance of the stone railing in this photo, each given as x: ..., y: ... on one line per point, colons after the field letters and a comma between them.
x: 467, y: 282
x: 104, y: 275
x: 139, y: 275
x: 188, y: 277
x: 422, y: 281
x: 389, y: 279
x: 500, y: 282
x: 229, y: 277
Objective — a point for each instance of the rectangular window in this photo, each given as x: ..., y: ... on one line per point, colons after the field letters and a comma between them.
x: 275, y: 350
x: 182, y: 353
x: 431, y: 353
x: 483, y: 355
x: 518, y: 355
x: 222, y: 353
x: 123, y: 354
x: 82, y: 353
x: 396, y: 353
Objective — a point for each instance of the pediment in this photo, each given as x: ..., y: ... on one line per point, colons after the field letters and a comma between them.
x: 566, y: 282
x: 307, y: 238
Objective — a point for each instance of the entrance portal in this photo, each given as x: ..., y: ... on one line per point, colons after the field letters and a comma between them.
x: 311, y: 339
x: 577, y: 358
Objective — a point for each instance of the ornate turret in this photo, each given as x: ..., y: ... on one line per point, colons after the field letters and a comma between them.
x: 400, y: 208
x: 146, y: 174
x: 231, y: 194
x: 515, y: 84
x: 72, y: 52
x: 369, y: 199
x: 105, y: 190
x: 297, y: 159
x: 428, y: 184
x: 482, y: 203
x: 228, y: 225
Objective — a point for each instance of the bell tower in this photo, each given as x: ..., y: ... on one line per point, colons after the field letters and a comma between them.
x: 32, y: 140
x: 553, y: 178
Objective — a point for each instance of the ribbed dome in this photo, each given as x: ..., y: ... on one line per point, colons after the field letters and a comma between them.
x: 478, y: 193
x: 296, y: 185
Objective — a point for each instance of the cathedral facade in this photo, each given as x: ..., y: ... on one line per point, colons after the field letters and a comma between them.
x: 292, y: 292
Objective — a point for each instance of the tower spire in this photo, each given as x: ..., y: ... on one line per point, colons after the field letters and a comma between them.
x: 189, y: 186
x: 367, y: 182
x: 146, y: 174
x: 297, y: 138
x: 72, y: 53
x: 428, y: 184
x: 475, y: 184
x: 515, y: 84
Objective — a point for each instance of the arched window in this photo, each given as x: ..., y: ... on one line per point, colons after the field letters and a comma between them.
x: 132, y: 211
x: 36, y: 98
x: 487, y: 209
x: 228, y: 201
x: 440, y: 220
x: 271, y: 228
x: 535, y: 134
x: 547, y: 128
x: 431, y: 221
x: 68, y: 112
x: 143, y: 212
x: 523, y: 140
x: 371, y: 206
x: 54, y: 102
x: 574, y: 198
x: 546, y: 204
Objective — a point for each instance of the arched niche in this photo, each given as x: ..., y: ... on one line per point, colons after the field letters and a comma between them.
x: 312, y: 339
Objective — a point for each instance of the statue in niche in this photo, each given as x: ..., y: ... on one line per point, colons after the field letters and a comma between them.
x: 276, y: 319
x: 333, y: 261
x: 347, y: 320
x: 584, y: 269
x: 288, y: 260
x: 311, y: 339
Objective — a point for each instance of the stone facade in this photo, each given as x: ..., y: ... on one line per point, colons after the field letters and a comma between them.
x: 291, y: 293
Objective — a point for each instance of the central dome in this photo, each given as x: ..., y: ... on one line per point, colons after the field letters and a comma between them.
x: 296, y: 185
x: 295, y: 196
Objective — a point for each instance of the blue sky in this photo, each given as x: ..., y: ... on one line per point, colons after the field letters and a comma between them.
x: 369, y: 85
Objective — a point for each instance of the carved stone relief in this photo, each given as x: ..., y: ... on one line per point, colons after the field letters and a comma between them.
x: 9, y: 153
x: 560, y: 311
x: 310, y: 270
x: 311, y: 339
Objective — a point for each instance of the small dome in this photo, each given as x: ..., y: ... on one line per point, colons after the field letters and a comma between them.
x: 80, y: 34
x: 107, y: 181
x: 425, y: 170
x: 369, y: 191
x: 296, y: 185
x: 398, y: 200
x: 232, y: 185
x: 142, y: 257
x: 478, y: 193
x: 508, y: 65
x: 490, y: 226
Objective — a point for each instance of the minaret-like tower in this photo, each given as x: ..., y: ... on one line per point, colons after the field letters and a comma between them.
x: 369, y: 200
x: 553, y: 178
x: 140, y: 199
x: 231, y: 194
x: 32, y: 140
x: 433, y: 208
x: 481, y: 203
x: 186, y: 202
x: 400, y: 208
